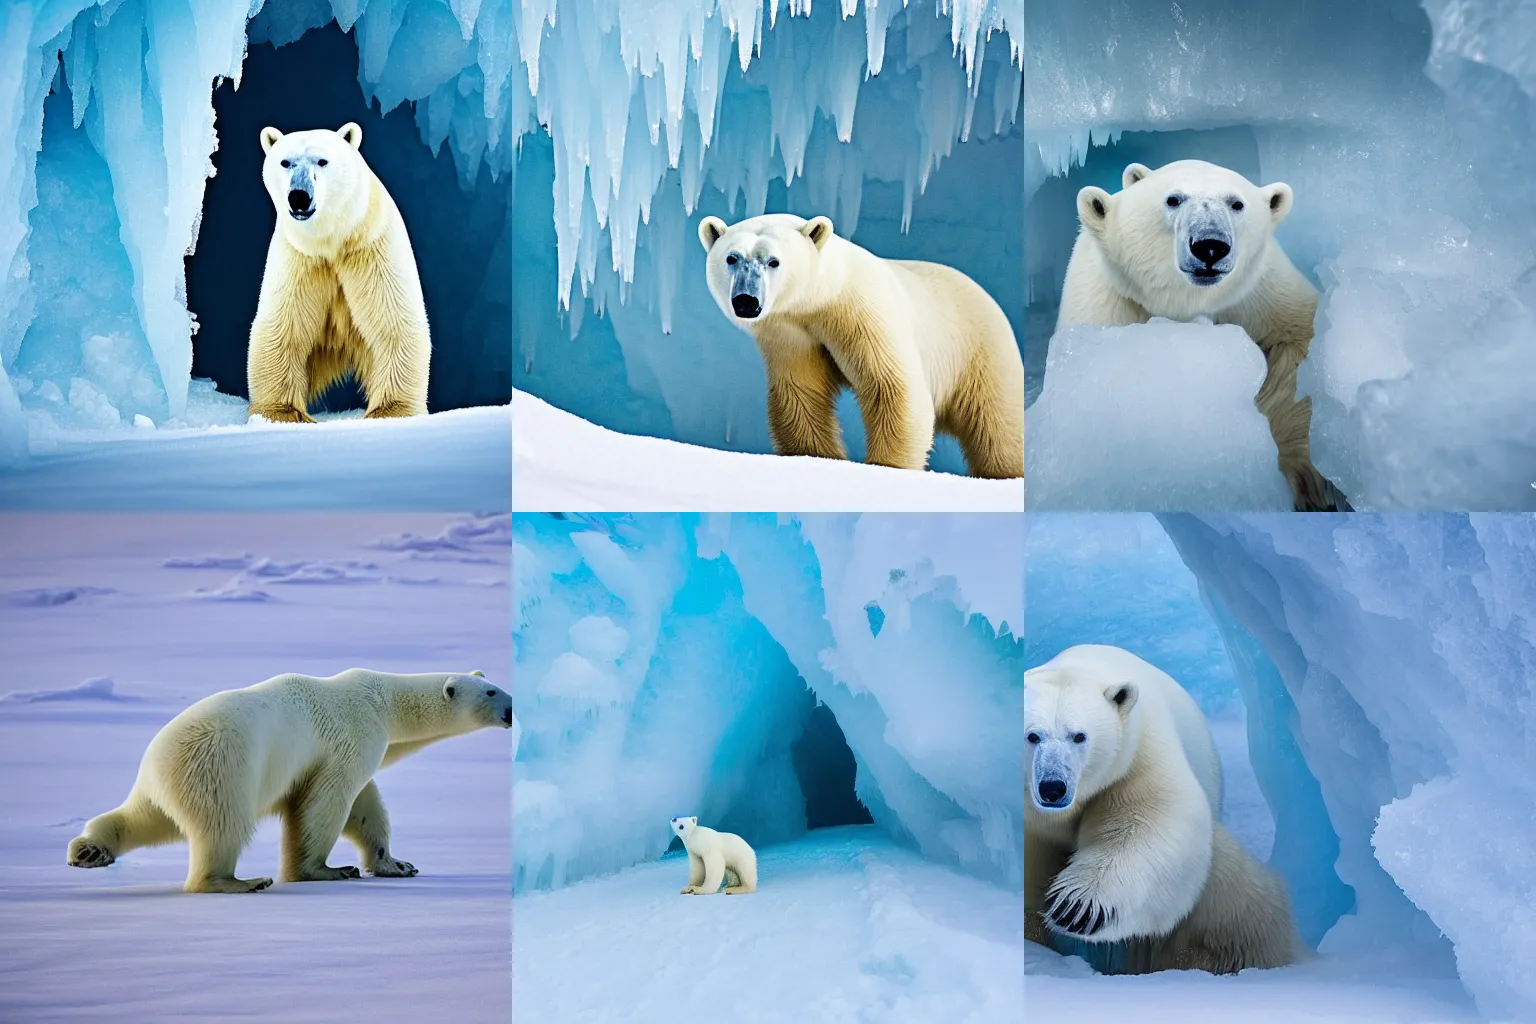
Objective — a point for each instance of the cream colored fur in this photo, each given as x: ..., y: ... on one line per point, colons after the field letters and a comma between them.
x: 1123, y: 271
x: 302, y: 748
x: 1139, y: 853
x: 715, y: 857
x: 340, y: 294
x: 923, y: 347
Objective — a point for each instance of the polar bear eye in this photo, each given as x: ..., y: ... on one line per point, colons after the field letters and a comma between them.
x: 1034, y: 737
x: 1173, y: 202
x: 287, y: 163
x: 322, y: 163
x: 1078, y: 737
x: 731, y: 260
x: 1237, y: 205
x: 490, y: 693
x: 773, y: 263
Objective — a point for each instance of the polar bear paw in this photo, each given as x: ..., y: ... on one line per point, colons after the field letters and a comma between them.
x: 326, y: 873
x: 1078, y: 915
x: 389, y: 867
x: 83, y: 853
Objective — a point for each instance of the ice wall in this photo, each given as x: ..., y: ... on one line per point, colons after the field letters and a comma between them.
x: 670, y: 664
x: 1419, y: 366
x: 1401, y: 648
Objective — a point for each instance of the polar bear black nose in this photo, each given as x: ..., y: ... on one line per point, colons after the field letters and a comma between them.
x: 298, y: 200
x: 506, y: 716
x: 1052, y: 791
x: 1209, y: 251
x: 746, y: 306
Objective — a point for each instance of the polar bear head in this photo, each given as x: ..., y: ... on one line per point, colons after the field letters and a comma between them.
x: 764, y: 265
x: 683, y: 825
x: 317, y: 180
x: 1187, y: 239
x: 472, y: 703
x: 1080, y: 736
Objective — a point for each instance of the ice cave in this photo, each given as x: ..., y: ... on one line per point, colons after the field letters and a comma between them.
x: 1402, y: 127
x: 551, y: 160
x: 1367, y: 682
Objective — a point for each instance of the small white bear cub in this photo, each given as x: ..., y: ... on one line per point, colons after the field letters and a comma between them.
x: 714, y: 857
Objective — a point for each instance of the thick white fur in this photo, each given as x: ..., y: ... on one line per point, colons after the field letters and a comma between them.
x: 295, y: 746
x: 1124, y: 270
x: 340, y: 294
x: 715, y: 857
x: 923, y: 347
x: 1140, y: 847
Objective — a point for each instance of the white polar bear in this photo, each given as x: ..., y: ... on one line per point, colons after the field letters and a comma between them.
x: 714, y: 857
x: 1192, y: 240
x: 923, y: 347
x: 295, y: 746
x: 340, y: 294
x: 1122, y: 837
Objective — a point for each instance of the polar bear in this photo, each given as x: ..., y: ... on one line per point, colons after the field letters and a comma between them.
x: 1192, y: 240
x: 1122, y: 837
x: 923, y: 347
x: 714, y: 857
x: 340, y: 294
x: 295, y: 746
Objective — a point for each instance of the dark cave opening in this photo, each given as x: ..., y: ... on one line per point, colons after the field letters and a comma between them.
x: 826, y: 768
x: 461, y: 237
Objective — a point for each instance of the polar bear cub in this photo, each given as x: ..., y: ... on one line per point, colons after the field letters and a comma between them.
x: 922, y: 346
x: 1122, y: 837
x: 340, y: 294
x: 295, y: 746
x: 714, y: 857
x: 1195, y: 241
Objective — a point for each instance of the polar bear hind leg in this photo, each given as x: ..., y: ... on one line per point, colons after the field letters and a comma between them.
x: 367, y: 828
x: 137, y: 823
x: 745, y: 870
x: 990, y: 430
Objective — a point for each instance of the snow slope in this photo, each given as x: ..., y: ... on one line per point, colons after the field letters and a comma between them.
x: 845, y: 926
x: 562, y: 461
x: 448, y: 462
x: 172, y: 608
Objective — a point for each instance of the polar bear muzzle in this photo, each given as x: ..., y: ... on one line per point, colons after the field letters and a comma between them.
x: 1204, y: 236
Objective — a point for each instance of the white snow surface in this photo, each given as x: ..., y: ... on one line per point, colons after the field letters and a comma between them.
x: 845, y: 927
x: 1152, y: 417
x: 448, y: 461
x: 563, y: 462
x: 85, y: 597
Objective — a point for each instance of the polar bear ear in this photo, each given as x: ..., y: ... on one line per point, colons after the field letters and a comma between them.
x: 351, y: 133
x: 269, y: 137
x: 448, y: 689
x: 818, y: 230
x: 710, y: 230
x: 1279, y: 197
x: 1134, y: 173
x: 477, y: 672
x: 693, y: 820
x: 1122, y: 696
x: 1093, y: 207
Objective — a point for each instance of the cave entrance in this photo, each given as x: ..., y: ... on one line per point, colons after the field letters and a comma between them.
x: 460, y: 235
x: 826, y: 769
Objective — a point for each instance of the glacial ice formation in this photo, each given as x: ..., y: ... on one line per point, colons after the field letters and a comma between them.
x: 1403, y: 129
x: 671, y: 664
x: 626, y: 120
x: 1384, y: 667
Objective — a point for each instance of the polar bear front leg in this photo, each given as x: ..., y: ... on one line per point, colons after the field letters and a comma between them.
x: 1290, y: 424
x: 695, y: 875
x: 289, y: 323
x: 312, y: 822
x: 882, y: 364
x: 383, y: 296
x: 803, y: 386
x: 368, y: 828
x: 1138, y: 870
x: 714, y: 874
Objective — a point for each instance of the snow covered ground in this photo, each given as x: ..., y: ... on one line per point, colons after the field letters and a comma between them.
x: 562, y: 461
x: 845, y: 926
x: 169, y: 609
x: 446, y: 462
